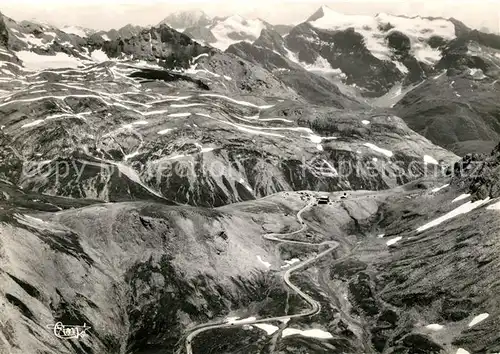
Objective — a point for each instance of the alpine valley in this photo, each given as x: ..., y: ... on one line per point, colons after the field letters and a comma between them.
x: 231, y: 186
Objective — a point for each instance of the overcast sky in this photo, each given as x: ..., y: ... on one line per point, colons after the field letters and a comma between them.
x: 107, y: 14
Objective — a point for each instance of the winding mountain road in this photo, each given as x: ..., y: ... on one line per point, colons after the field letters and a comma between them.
x: 315, y: 305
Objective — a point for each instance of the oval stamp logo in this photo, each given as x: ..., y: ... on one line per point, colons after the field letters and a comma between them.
x: 69, y: 331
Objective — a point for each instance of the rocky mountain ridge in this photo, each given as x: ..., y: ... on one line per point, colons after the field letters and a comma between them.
x: 219, y: 32
x: 372, y: 54
x: 386, y: 298
x: 462, y: 111
x: 398, y: 69
x: 268, y: 108
x: 187, y: 19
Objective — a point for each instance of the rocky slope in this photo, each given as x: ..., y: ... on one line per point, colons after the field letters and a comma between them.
x: 477, y: 174
x: 372, y: 53
x: 377, y: 294
x: 458, y: 108
x: 434, y: 292
x: 197, y: 147
x: 76, y: 266
x: 315, y: 88
x: 216, y: 130
x: 395, y: 61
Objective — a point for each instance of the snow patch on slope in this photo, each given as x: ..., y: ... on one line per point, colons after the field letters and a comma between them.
x: 477, y: 74
x: 235, y: 320
x: 380, y: 150
x: 437, y: 189
x: 430, y: 160
x: 74, y: 30
x: 270, y: 329
x: 310, y: 333
x: 99, y: 56
x: 495, y: 206
x: 434, y: 327
x: 290, y: 262
x: 321, y: 65
x: 478, y: 319
x: 266, y: 264
x: 394, y: 241
x: 461, y: 197
x: 401, y: 67
x: 463, y: 209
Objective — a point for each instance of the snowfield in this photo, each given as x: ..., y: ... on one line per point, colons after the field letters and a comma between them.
x: 417, y: 28
x: 99, y: 56
x: 235, y: 320
x: 266, y: 264
x: 320, y: 66
x: 235, y: 24
x: 495, y: 206
x: 460, y: 197
x: 33, y: 61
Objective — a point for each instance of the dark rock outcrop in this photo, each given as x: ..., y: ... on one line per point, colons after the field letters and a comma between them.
x: 282, y: 29
x: 174, y: 49
x: 458, y: 110
x: 271, y: 40
x: 479, y: 174
x: 460, y: 28
x: 314, y: 88
x: 4, y: 35
x: 202, y: 34
x: 399, y: 42
x: 348, y: 53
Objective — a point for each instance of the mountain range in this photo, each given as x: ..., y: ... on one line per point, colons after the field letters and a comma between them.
x: 225, y: 185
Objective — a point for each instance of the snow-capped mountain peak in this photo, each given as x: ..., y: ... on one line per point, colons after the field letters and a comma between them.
x: 321, y: 12
x: 375, y: 30
x: 236, y: 28
x: 187, y: 19
x: 235, y: 17
x: 78, y: 30
x: 36, y: 21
